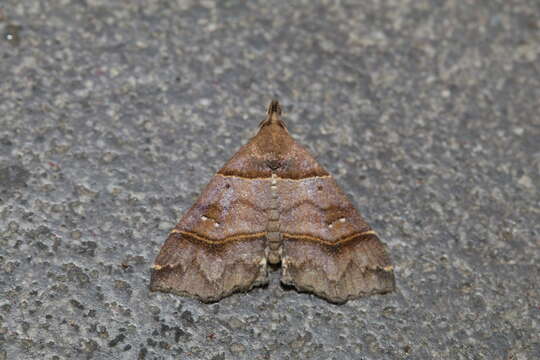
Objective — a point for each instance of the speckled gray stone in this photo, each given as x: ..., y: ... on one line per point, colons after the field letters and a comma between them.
x: 115, y: 114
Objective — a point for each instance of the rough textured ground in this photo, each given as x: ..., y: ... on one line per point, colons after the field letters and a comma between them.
x: 115, y: 114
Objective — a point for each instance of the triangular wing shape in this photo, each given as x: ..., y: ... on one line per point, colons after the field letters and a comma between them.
x: 217, y: 248
x: 328, y: 249
x: 272, y: 202
x: 272, y: 152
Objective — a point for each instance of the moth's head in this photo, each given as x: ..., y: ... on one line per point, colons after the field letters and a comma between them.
x: 273, y: 115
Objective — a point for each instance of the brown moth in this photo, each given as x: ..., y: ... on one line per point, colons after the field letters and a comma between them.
x: 272, y: 204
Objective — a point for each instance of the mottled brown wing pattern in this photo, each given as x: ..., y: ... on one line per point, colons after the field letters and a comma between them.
x: 328, y: 248
x: 272, y: 202
x: 339, y: 272
x: 217, y: 248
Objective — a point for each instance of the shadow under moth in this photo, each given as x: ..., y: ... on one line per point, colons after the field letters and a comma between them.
x: 272, y: 205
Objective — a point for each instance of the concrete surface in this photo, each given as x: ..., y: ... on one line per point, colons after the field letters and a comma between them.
x: 115, y: 114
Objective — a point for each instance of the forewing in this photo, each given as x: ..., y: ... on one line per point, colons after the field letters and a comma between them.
x: 217, y: 248
x: 328, y: 249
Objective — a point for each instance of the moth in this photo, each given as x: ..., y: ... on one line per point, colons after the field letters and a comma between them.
x: 272, y: 205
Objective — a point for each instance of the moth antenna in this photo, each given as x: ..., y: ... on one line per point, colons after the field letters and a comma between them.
x: 273, y: 115
x: 274, y: 107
